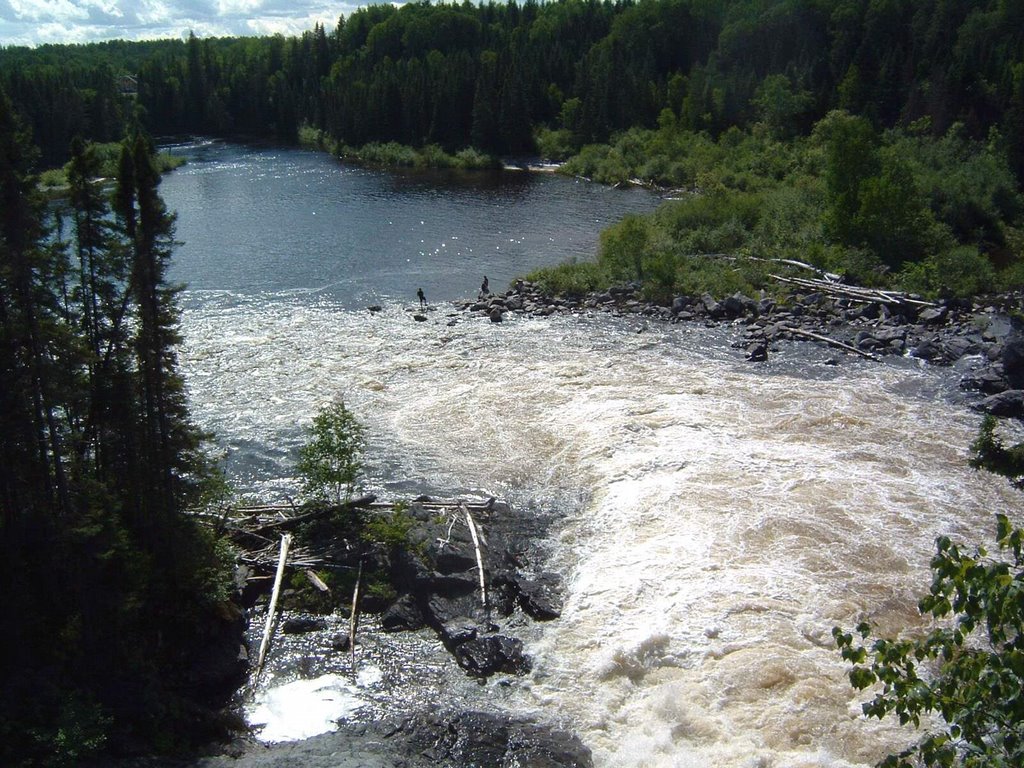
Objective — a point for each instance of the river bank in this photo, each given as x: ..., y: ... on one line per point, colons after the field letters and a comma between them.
x: 980, y: 337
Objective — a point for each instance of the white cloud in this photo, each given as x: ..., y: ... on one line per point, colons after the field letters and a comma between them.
x: 31, y: 22
x: 40, y: 10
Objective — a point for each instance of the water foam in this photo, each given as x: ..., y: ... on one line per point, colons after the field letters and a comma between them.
x: 732, y: 515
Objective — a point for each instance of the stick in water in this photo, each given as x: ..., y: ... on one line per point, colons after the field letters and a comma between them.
x: 353, y: 619
x: 268, y: 630
x: 479, y: 557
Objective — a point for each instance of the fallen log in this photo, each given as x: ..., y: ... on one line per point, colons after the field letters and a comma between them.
x: 855, y: 293
x: 268, y: 629
x: 832, y: 342
x: 479, y: 556
x: 290, y: 523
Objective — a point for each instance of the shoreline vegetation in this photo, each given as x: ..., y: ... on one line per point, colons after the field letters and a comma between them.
x: 394, y: 155
x: 53, y: 182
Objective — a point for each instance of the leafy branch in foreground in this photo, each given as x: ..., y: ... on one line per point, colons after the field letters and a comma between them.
x: 969, y: 671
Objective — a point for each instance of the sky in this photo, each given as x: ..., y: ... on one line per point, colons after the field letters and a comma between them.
x: 32, y: 22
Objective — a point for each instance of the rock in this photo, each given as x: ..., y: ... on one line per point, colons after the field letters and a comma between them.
x: 484, y: 656
x: 300, y: 625
x: 988, y: 380
x: 1013, y: 360
x: 341, y: 641
x: 711, y: 306
x: 497, y: 741
x: 1008, y: 404
x: 374, y: 308
x: 679, y: 303
x: 419, y: 318
x: 541, y: 596
x: 757, y: 352
x: 932, y: 315
x: 403, y: 614
x: 496, y: 316
x: 739, y: 305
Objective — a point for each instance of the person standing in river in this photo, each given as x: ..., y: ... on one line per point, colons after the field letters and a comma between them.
x: 423, y: 298
x: 485, y: 289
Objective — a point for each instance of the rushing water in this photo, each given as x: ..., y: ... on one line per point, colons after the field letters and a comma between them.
x: 721, y: 517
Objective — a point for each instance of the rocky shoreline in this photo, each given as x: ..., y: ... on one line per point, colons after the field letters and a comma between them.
x: 984, y: 336
x: 434, y: 572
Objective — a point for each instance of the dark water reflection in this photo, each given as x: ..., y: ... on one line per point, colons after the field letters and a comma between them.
x: 258, y: 220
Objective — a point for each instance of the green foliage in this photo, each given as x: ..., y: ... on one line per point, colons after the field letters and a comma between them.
x: 390, y: 529
x: 329, y: 464
x: 968, y: 671
x: 572, y: 278
x: 396, y: 155
x: 991, y: 454
x: 957, y: 272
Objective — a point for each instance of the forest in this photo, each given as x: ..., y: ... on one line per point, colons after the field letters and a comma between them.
x: 883, y: 139
x: 888, y: 135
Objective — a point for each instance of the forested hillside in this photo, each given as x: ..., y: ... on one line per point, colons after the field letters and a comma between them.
x: 492, y: 75
x: 111, y: 597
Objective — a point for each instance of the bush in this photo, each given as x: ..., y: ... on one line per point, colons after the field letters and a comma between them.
x: 329, y: 463
x: 570, y: 279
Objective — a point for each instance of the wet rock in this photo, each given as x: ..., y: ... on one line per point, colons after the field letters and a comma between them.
x: 496, y: 315
x: 300, y: 625
x: 484, y: 656
x: 374, y: 308
x: 479, y: 739
x: 1012, y: 357
x: 1007, y: 404
x: 403, y: 614
x: 540, y: 597
x: 757, y: 352
x: 988, y: 380
x: 419, y: 318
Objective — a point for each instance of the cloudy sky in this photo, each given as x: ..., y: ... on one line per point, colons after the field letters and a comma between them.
x: 30, y: 22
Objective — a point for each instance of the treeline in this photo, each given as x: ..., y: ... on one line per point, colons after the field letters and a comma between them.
x: 109, y: 594
x: 492, y: 76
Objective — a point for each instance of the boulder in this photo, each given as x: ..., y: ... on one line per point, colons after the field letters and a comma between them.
x: 540, y: 597
x: 300, y: 625
x: 419, y: 318
x: 757, y: 352
x: 498, y: 741
x: 484, y: 656
x: 496, y: 316
x: 932, y: 315
x: 403, y: 614
x: 1009, y: 403
x: 1013, y: 360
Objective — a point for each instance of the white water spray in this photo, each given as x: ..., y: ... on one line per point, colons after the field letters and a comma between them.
x: 732, y: 515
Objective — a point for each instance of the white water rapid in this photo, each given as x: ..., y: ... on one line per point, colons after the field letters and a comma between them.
x: 722, y: 516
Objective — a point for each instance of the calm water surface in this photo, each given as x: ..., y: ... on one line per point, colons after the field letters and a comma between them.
x: 273, y: 222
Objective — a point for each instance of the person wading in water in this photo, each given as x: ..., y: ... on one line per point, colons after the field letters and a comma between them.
x: 423, y: 298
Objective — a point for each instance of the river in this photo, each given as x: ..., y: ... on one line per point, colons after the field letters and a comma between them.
x: 719, y: 517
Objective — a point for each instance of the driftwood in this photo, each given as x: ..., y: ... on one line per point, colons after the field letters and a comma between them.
x: 353, y: 618
x: 268, y: 629
x: 479, y: 556
x: 830, y: 341
x: 855, y: 293
x: 290, y: 523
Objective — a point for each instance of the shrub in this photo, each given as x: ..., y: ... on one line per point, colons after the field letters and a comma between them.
x: 329, y: 463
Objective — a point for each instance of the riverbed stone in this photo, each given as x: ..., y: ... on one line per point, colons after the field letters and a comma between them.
x: 1006, y: 404
x: 484, y: 656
